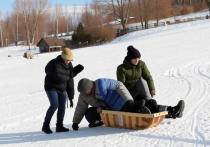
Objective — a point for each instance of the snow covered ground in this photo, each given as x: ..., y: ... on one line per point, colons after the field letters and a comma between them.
x: 178, y: 58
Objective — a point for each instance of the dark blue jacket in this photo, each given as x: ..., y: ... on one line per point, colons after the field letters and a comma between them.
x: 106, y: 91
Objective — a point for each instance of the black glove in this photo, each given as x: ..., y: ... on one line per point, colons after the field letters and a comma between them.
x: 71, y: 103
x: 77, y: 69
x: 141, y: 102
x: 75, y: 126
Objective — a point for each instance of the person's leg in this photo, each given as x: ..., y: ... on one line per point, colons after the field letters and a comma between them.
x: 131, y: 105
x: 152, y: 105
x: 173, y: 112
x: 61, y: 112
x: 53, y: 99
x: 140, y: 90
x: 93, y: 117
x: 135, y: 107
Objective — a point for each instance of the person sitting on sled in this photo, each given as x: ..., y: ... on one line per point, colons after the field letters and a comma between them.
x: 112, y: 94
x: 135, y: 75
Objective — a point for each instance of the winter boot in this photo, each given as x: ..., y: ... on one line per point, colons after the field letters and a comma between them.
x: 176, y: 111
x: 61, y: 128
x: 96, y: 124
x: 46, y: 128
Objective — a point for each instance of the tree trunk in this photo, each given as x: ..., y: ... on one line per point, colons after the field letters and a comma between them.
x: 124, y: 27
x: 17, y: 29
x: 1, y: 35
x: 157, y: 21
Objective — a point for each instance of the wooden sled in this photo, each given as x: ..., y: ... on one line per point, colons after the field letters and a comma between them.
x: 117, y: 119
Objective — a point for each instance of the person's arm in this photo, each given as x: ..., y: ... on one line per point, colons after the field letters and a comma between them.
x: 70, y: 91
x: 80, y: 110
x: 120, y: 75
x: 147, y: 76
x: 49, y: 67
x: 77, y: 69
x: 82, y: 107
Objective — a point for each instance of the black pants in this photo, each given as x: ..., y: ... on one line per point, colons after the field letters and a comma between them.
x: 154, y: 107
x: 132, y: 106
x: 136, y: 106
x: 92, y: 115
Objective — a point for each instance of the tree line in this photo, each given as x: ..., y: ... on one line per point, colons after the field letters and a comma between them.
x: 31, y: 20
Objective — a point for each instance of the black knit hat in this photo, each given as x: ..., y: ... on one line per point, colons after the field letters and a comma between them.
x: 132, y: 53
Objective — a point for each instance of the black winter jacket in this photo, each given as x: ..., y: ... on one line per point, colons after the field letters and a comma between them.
x: 59, y: 76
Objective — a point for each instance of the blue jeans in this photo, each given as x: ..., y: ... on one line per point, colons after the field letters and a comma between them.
x: 57, y: 101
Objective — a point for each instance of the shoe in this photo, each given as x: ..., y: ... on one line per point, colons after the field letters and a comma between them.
x: 179, y: 108
x: 46, y: 129
x: 96, y: 124
x: 61, y: 128
x: 144, y: 110
x: 176, y: 111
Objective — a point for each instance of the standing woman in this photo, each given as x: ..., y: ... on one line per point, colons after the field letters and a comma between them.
x: 59, y: 85
x: 135, y: 75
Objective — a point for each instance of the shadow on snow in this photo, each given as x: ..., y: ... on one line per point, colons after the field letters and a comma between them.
x: 24, y: 137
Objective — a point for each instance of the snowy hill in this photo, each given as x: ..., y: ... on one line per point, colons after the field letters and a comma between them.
x: 179, y: 60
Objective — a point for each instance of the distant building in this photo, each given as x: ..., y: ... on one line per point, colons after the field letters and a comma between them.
x: 50, y: 44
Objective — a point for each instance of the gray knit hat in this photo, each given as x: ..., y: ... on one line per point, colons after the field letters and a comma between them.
x: 84, y: 85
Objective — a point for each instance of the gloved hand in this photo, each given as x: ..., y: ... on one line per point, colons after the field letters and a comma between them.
x: 152, y: 92
x: 99, y: 109
x: 75, y: 126
x: 141, y: 102
x: 71, y: 103
x: 77, y: 69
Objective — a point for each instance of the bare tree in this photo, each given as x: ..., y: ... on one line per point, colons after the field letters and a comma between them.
x: 119, y: 9
x: 58, y: 10
x: 31, y: 10
x: 68, y: 20
x: 1, y: 30
x: 96, y: 23
x: 208, y: 3
x: 144, y: 10
x: 60, y: 20
x: 7, y: 33
x: 161, y: 9
x: 17, y: 26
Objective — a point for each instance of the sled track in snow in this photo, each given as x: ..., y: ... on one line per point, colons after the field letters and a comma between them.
x: 196, y: 97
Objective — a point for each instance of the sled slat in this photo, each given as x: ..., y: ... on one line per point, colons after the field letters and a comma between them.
x: 131, y: 120
x: 111, y: 120
x: 127, y: 122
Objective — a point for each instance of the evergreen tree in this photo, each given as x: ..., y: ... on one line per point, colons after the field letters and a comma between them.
x: 80, y: 36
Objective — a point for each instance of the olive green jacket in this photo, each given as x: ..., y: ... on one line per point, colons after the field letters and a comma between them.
x: 129, y: 74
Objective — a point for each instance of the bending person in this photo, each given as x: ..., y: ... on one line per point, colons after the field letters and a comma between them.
x: 112, y: 94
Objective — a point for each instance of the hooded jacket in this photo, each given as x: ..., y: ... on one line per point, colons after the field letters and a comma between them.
x: 129, y: 74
